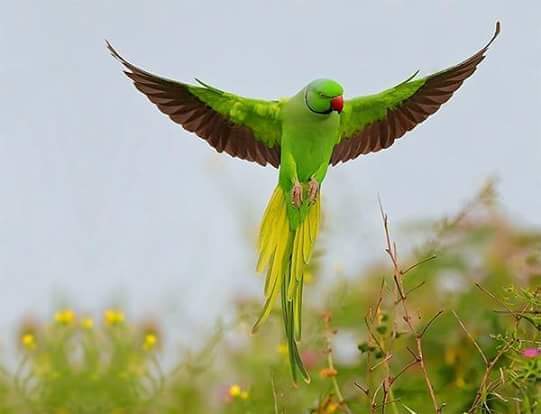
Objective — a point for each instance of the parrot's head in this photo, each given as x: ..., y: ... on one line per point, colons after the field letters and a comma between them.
x: 323, y: 96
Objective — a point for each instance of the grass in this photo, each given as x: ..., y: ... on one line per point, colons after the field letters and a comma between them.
x: 453, y: 328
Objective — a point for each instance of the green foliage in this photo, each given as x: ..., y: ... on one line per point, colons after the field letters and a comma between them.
x: 70, y: 366
x: 361, y: 341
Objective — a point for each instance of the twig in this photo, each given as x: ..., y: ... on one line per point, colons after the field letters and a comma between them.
x: 383, y: 361
x: 413, y: 266
x: 404, y: 369
x: 413, y: 354
x: 365, y: 390
x: 373, y: 403
x: 373, y: 335
x: 330, y: 362
x: 386, y: 384
x: 483, y: 387
x: 471, y: 338
x: 493, y: 296
x: 430, y: 322
x: 397, y: 276
x: 387, y: 403
x: 437, y: 407
x: 380, y: 296
x: 533, y: 312
x: 415, y: 288
x: 274, y: 396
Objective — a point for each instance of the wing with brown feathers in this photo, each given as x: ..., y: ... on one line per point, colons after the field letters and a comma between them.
x: 249, y: 129
x: 372, y: 123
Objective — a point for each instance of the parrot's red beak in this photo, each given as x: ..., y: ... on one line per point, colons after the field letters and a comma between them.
x: 337, y: 103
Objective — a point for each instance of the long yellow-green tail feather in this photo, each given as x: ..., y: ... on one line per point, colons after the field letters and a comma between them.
x: 285, y: 251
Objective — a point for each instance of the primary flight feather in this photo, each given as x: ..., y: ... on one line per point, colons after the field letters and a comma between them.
x: 302, y: 136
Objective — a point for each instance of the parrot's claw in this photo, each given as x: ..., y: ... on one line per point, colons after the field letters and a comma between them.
x: 313, y: 189
x: 296, y: 194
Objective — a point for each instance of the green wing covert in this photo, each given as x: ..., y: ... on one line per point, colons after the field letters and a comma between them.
x: 249, y: 129
x: 371, y: 123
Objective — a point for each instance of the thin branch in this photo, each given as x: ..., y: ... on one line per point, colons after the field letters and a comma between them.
x: 387, y: 403
x: 437, y: 407
x: 430, y: 322
x: 483, y: 387
x: 383, y: 361
x: 373, y: 336
x: 415, y: 361
x: 274, y: 395
x: 385, y: 384
x: 412, y: 353
x: 415, y: 287
x: 328, y: 334
x: 471, y: 338
x: 496, y: 299
x: 380, y: 295
x: 413, y: 266
x: 374, y: 404
x: 532, y: 312
x: 365, y: 390
x: 397, y: 277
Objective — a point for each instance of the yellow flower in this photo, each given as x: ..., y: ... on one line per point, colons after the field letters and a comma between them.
x: 87, y: 323
x: 64, y: 317
x: 29, y: 341
x: 113, y: 317
x: 331, y: 408
x: 235, y: 390
x: 150, y: 341
x: 282, y: 349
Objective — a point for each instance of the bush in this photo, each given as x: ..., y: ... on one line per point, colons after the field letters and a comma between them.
x: 454, y: 328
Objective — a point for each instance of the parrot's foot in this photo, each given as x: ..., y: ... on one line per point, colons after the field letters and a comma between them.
x: 296, y: 194
x: 313, y: 189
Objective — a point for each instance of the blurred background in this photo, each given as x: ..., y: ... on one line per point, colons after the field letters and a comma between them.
x: 105, y: 201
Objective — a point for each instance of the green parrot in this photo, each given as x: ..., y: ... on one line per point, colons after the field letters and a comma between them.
x: 301, y: 136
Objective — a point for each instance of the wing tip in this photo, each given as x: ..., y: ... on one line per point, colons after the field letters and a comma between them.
x: 130, y: 68
x: 112, y: 50
x: 117, y: 56
x: 497, y: 31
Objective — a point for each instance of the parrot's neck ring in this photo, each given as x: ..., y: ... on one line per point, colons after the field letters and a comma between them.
x: 327, y: 112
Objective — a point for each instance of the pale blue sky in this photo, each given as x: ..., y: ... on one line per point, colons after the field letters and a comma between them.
x: 103, y: 198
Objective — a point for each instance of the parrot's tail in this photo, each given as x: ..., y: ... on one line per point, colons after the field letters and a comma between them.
x: 284, y: 251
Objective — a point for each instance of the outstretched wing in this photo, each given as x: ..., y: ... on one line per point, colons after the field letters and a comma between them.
x: 371, y: 123
x: 245, y: 128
